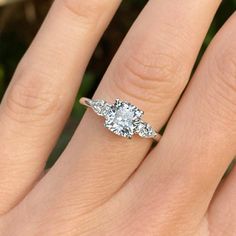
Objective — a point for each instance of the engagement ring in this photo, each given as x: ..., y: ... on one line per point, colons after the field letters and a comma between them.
x: 122, y: 118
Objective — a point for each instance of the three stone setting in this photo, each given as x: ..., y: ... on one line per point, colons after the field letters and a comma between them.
x: 123, y: 118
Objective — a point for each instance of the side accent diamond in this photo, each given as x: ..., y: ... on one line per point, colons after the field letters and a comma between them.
x: 144, y: 130
x: 101, y: 107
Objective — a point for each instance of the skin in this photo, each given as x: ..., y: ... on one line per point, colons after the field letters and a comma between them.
x: 104, y: 184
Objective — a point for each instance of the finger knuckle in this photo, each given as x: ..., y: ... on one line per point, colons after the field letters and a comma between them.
x: 222, y: 72
x: 88, y: 11
x: 225, y: 66
x: 150, y: 77
x: 31, y: 97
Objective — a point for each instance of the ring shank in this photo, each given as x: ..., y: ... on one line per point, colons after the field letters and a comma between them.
x: 86, y: 102
x: 157, y: 137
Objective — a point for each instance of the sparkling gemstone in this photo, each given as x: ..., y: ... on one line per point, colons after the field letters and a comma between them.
x: 145, y: 130
x: 123, y: 118
x: 100, y: 107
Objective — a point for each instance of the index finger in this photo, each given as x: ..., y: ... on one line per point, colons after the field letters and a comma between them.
x: 41, y: 94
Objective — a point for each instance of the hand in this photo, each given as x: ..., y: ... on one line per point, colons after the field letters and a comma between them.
x: 104, y: 184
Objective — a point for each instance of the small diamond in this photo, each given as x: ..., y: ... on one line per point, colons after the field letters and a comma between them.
x: 145, y: 130
x: 123, y: 118
x: 101, y: 107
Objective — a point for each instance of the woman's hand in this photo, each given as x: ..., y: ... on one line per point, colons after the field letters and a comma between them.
x: 104, y: 184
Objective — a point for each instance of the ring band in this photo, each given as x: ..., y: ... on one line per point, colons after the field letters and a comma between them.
x: 122, y: 118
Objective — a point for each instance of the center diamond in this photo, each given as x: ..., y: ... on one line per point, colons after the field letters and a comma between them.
x: 123, y: 119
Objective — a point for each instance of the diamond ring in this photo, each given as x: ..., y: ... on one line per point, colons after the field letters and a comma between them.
x: 122, y: 118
